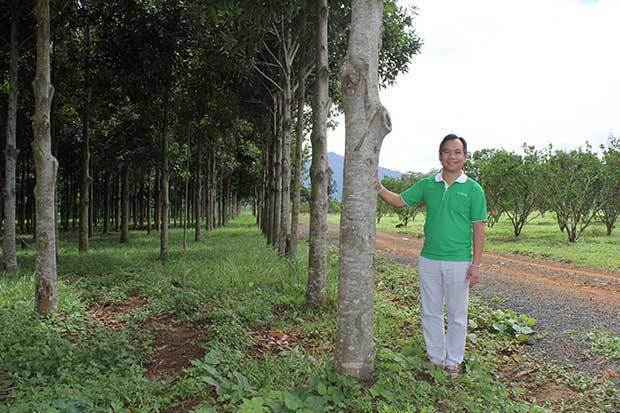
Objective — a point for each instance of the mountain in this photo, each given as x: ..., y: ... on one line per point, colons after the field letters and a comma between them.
x: 336, y: 163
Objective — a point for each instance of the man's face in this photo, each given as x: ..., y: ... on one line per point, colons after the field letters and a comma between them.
x: 452, y: 156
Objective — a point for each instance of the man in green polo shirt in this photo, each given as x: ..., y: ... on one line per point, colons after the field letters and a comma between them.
x: 455, y: 214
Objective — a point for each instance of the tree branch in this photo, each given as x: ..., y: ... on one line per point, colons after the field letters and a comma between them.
x: 268, y: 78
x: 273, y: 55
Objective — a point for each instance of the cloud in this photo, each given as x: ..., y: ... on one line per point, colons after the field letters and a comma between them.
x: 504, y: 73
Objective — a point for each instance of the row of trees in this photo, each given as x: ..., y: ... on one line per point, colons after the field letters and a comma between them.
x: 579, y: 187
x: 176, y: 110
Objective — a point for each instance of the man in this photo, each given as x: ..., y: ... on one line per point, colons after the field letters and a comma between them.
x: 455, y: 208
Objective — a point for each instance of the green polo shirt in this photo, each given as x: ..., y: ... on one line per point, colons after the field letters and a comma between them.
x: 450, y: 211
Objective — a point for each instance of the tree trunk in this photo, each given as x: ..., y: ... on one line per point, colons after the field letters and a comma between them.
x: 46, y: 300
x: 319, y: 177
x: 285, y: 172
x: 165, y: 203
x: 157, y: 212
x: 117, y: 201
x: 124, y: 202
x: 198, y: 191
x: 21, y: 194
x: 270, y: 190
x: 186, y: 209
x: 85, y: 183
x: 366, y: 124
x: 277, y: 173
x: 9, y: 257
x: 106, y: 203
x: 148, y: 202
x: 213, y: 190
x: 91, y: 204
x: 299, y: 138
x: 141, y: 203
x: 134, y: 204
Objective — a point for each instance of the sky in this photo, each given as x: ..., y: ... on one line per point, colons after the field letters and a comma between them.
x: 501, y: 73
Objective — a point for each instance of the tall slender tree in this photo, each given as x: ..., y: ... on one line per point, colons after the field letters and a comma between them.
x: 86, y: 181
x: 9, y: 257
x: 367, y: 122
x: 46, y: 300
x: 317, y: 258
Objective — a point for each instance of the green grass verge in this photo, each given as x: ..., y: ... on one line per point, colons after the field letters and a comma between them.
x: 540, y: 238
x: 232, y: 285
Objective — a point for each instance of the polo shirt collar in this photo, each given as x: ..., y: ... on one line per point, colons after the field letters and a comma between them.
x: 461, y: 179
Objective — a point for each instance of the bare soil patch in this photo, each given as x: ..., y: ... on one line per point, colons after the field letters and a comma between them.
x: 274, y: 341
x: 554, y: 393
x: 175, y: 345
x: 185, y: 405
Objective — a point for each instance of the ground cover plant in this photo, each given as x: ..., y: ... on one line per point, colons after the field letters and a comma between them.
x: 223, y: 327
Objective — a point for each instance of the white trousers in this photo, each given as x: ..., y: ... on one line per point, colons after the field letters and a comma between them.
x: 444, y: 282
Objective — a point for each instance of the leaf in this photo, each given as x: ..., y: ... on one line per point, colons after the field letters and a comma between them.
x: 255, y: 405
x: 293, y: 402
x: 316, y: 404
x: 209, y: 380
x: 206, y: 409
x: 321, y: 389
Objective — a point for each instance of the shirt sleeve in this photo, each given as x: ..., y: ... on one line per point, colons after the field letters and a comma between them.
x: 414, y: 194
x: 478, y: 208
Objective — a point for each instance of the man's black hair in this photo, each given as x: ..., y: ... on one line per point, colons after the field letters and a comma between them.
x: 453, y: 137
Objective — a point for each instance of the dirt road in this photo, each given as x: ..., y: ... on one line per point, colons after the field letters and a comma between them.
x: 568, y: 301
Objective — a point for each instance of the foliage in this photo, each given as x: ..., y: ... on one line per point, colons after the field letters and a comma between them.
x: 513, y: 183
x: 231, y: 284
x: 507, y: 323
x: 604, y: 344
x: 610, y: 208
x: 573, y: 182
x: 474, y: 167
x: 398, y: 185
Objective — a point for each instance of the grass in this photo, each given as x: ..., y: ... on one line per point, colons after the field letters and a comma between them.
x: 263, y: 349
x: 540, y: 238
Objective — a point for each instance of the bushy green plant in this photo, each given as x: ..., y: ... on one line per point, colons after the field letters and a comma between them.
x: 505, y: 322
x: 604, y: 344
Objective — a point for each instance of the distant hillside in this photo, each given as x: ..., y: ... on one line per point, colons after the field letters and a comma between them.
x: 336, y: 163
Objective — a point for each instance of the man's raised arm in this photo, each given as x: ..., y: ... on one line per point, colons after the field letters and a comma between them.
x: 390, y: 197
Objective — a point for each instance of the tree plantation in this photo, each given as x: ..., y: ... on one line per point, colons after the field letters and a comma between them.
x: 155, y: 253
x: 174, y: 112
x: 578, y: 187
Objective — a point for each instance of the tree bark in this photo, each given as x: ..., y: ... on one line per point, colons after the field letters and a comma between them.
x: 141, y: 203
x: 186, y: 209
x: 299, y: 138
x: 277, y: 173
x: 165, y: 202
x: 46, y: 300
x: 91, y: 204
x: 285, y: 172
x: 106, y: 204
x: 85, y: 183
x: 213, y: 190
x: 198, y: 190
x: 148, y: 201
x: 366, y: 124
x: 9, y: 257
x: 157, y: 212
x: 124, y: 207
x: 319, y: 178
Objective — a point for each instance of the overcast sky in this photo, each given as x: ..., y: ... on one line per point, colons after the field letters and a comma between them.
x: 504, y: 72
